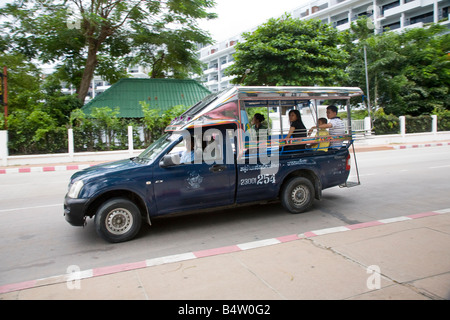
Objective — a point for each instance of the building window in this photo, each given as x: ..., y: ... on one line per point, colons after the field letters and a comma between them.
x: 341, y: 22
x: 391, y: 26
x: 390, y: 6
x: 425, y: 18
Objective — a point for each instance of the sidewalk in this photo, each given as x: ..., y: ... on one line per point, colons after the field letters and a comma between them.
x: 406, y: 257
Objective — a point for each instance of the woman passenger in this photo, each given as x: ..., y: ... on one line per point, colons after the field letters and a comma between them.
x: 297, y: 129
x: 257, y: 124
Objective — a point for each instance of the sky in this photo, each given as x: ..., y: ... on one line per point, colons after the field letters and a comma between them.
x: 3, y: 2
x: 237, y: 16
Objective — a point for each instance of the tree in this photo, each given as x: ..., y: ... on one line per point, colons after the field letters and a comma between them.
x: 85, y: 36
x: 37, y: 110
x: 84, y: 131
x: 168, y: 53
x: 409, y: 73
x: 156, y: 120
x: 23, y: 82
x: 288, y: 51
x: 107, y: 121
x: 57, y: 104
x: 427, y: 71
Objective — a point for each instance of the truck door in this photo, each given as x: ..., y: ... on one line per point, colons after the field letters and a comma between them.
x: 208, y: 181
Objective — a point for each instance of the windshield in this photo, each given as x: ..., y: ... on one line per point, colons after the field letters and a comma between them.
x: 203, y: 109
x: 156, y: 147
x: 200, y: 105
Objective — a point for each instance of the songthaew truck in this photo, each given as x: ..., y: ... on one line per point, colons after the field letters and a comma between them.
x: 211, y: 158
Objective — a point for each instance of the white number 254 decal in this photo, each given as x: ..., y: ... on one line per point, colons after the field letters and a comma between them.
x: 261, y: 179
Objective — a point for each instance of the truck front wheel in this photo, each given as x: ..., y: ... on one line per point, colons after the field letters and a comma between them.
x: 118, y: 220
x: 297, y: 195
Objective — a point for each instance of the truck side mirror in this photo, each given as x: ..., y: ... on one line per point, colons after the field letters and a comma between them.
x: 169, y: 160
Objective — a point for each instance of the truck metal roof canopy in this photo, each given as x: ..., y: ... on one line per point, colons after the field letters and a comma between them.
x: 223, y: 106
x: 159, y: 93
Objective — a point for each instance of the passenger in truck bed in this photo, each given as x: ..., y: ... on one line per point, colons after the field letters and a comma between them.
x: 335, y: 125
x: 297, y: 129
x: 323, y: 146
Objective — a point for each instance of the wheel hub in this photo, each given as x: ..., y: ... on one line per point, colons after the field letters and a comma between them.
x: 119, y: 221
x: 299, y: 195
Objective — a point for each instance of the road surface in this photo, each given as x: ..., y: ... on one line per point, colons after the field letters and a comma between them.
x: 37, y: 242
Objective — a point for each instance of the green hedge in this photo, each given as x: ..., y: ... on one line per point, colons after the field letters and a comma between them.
x: 390, y: 124
x: 386, y: 124
x: 418, y: 124
x: 444, y: 122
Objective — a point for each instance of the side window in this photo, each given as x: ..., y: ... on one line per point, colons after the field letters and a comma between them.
x: 184, y: 151
x: 257, y: 119
x: 258, y: 124
x: 178, y: 149
x: 208, y: 148
x: 193, y: 150
x: 212, y: 146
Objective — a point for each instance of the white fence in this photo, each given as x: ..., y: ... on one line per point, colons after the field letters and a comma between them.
x: 358, y: 125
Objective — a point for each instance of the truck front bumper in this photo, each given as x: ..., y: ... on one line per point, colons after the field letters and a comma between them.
x: 74, y: 211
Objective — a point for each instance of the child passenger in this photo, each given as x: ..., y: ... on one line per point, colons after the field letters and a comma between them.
x: 323, y: 146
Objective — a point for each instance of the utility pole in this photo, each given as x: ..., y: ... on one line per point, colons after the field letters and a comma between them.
x: 367, y: 88
x: 4, y: 93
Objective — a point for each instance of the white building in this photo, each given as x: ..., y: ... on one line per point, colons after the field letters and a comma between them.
x: 393, y: 14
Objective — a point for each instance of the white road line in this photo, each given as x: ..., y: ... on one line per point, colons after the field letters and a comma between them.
x: 438, y: 167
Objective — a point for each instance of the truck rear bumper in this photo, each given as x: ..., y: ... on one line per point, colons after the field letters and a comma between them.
x: 74, y: 211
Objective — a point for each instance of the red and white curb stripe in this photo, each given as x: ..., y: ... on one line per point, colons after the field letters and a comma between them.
x: 44, y: 169
x: 102, y: 271
x: 422, y: 145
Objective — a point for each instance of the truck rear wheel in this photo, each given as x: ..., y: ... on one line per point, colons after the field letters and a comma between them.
x: 118, y: 220
x: 297, y: 195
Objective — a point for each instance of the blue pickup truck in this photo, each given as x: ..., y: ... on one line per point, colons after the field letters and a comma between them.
x: 211, y: 158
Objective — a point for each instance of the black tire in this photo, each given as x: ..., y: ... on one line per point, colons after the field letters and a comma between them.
x: 118, y: 220
x: 297, y: 195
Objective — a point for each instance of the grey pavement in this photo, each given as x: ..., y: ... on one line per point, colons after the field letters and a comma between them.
x: 404, y: 258
x: 407, y: 258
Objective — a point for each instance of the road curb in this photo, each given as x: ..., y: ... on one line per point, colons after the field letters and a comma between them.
x: 45, y: 168
x: 74, y: 274
x: 421, y: 145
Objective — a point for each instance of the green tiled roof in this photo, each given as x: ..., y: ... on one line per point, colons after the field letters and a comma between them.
x: 159, y: 93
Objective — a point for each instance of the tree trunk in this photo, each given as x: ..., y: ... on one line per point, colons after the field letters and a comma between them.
x: 88, y: 74
x: 94, y: 44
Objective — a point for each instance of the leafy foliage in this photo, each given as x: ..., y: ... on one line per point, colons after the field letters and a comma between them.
x: 103, y: 130
x: 386, y: 124
x: 155, y: 120
x: 34, y: 133
x: 290, y: 52
x: 105, y: 36
x: 443, y: 117
x: 409, y: 72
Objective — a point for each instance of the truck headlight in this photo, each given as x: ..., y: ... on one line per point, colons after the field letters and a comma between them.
x: 75, y: 189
